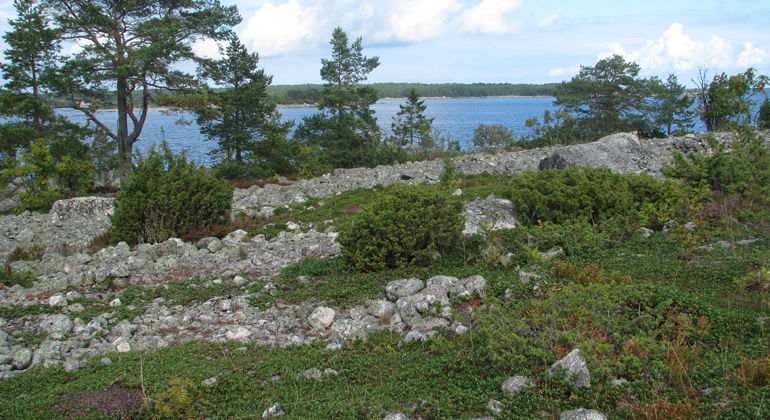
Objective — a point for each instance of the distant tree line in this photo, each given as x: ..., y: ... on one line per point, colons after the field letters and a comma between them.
x: 310, y: 93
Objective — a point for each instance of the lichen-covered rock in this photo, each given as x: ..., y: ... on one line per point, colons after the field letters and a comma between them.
x: 575, y: 369
x: 321, y: 318
x: 488, y: 215
x: 402, y: 288
x: 80, y: 207
x: 582, y: 414
x: 21, y: 359
x: 514, y: 384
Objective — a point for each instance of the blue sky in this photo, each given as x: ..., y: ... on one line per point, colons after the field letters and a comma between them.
x: 517, y: 41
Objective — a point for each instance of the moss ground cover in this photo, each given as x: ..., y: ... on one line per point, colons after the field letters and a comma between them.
x: 672, y: 318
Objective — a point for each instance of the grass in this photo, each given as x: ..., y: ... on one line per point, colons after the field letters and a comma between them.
x: 659, y: 312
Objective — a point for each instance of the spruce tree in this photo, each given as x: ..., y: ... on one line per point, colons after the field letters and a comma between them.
x: 29, y: 70
x: 411, y: 124
x: 346, y: 130
x: 239, y: 117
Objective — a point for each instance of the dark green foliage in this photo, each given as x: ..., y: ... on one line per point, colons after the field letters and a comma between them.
x: 346, y: 132
x: 610, y: 97
x: 410, y: 125
x: 744, y: 171
x: 671, y: 106
x: 492, y: 136
x: 763, y: 118
x: 556, y: 128
x: 46, y: 177
x: 402, y: 226
x: 31, y: 72
x: 129, y: 47
x: 165, y: 196
x: 725, y: 103
x: 311, y: 93
x: 239, y: 170
x: 9, y: 278
x: 592, y: 195
x: 239, y: 117
x: 31, y: 62
x: 606, y: 98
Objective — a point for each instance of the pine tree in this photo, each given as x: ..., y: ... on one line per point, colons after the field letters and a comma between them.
x: 411, y: 124
x: 671, y: 106
x: 347, y: 130
x: 240, y: 115
x: 29, y: 69
x: 606, y: 98
x: 128, y: 48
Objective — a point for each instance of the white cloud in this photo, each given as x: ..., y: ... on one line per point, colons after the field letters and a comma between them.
x: 752, y: 56
x: 676, y: 50
x: 207, y: 48
x: 419, y: 20
x: 564, y: 71
x: 549, y: 21
x: 275, y: 29
x: 281, y: 26
x: 487, y: 17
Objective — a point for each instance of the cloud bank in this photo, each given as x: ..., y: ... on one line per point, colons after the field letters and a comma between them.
x: 675, y: 50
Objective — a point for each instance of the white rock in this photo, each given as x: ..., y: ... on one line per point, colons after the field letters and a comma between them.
x: 122, y: 345
x: 115, y: 302
x: 321, y: 318
x: 273, y: 411
x: 403, y: 288
x: 57, y: 300
x: 575, y: 369
x: 514, y: 384
x: 582, y: 414
x: 495, y: 406
x: 238, y: 333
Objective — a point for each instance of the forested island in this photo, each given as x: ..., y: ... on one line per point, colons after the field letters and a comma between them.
x: 311, y: 94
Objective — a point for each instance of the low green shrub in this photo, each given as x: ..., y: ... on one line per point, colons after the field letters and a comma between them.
x: 621, y: 328
x: 180, y: 400
x: 592, y: 274
x: 9, y: 278
x: 47, y: 178
x: 592, y: 195
x: 165, y: 196
x: 744, y: 171
x: 492, y: 136
x: 240, y: 170
x: 405, y: 225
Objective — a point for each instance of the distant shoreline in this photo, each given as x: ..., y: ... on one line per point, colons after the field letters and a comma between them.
x: 306, y: 105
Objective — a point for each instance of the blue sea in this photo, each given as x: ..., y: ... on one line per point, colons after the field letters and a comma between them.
x: 455, y: 117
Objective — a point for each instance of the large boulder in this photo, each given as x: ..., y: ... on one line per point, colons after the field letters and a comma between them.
x: 64, y: 210
x: 622, y: 153
x: 488, y: 215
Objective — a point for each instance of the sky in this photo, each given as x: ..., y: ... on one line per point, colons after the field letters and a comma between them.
x: 510, y: 41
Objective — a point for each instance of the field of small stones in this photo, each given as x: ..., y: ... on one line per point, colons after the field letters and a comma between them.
x: 274, y: 325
